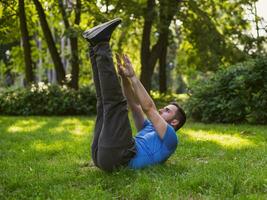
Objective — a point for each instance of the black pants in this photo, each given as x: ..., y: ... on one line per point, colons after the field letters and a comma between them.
x: 113, y: 145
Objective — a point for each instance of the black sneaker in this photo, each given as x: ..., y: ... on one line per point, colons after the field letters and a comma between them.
x: 102, y: 32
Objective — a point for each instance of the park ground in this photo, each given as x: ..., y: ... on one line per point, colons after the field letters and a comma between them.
x: 47, y: 158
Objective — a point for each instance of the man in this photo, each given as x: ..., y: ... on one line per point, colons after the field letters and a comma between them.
x: 113, y: 144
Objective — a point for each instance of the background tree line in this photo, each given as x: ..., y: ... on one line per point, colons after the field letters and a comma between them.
x: 170, y: 41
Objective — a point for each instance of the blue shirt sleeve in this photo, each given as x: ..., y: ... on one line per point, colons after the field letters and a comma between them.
x: 170, y: 139
x: 146, y: 122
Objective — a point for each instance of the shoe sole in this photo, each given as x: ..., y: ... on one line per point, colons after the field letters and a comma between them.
x: 91, y: 33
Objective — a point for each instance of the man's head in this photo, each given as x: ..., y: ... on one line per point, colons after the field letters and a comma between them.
x: 173, y: 115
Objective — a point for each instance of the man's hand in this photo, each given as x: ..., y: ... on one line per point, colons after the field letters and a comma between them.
x: 125, y: 69
x: 148, y: 106
x: 119, y: 65
x: 129, y: 93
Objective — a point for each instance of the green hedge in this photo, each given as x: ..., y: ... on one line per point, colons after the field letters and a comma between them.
x: 233, y: 95
x: 41, y: 99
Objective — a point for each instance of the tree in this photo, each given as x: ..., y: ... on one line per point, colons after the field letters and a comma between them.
x: 60, y: 72
x: 167, y: 11
x: 26, y: 44
x: 150, y: 55
x: 256, y: 43
x: 212, y: 34
x: 72, y: 35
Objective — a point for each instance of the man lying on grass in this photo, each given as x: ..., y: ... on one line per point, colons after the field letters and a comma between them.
x: 113, y: 144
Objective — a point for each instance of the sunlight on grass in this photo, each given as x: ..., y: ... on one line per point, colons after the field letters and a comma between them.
x: 225, y: 140
x: 215, y: 162
x: 73, y: 126
x: 55, y: 146
x: 26, y: 126
x: 71, y: 121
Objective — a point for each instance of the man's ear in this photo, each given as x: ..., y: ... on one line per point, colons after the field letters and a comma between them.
x: 174, y: 122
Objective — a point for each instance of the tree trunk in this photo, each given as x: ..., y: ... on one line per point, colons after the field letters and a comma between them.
x: 39, y: 63
x: 145, y: 46
x: 149, y: 56
x: 167, y: 12
x: 9, y: 78
x: 75, y: 51
x: 60, y: 72
x: 257, y: 20
x: 73, y: 42
x: 162, y: 67
x: 29, y: 76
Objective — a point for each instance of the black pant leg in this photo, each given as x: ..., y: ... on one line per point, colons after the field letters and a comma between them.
x: 116, y: 133
x: 99, y: 106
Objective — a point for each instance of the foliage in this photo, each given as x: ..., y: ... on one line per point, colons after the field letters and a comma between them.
x: 46, y: 99
x: 215, y: 33
x: 42, y: 99
x: 47, y: 158
x: 204, y: 35
x: 163, y: 99
x: 237, y: 94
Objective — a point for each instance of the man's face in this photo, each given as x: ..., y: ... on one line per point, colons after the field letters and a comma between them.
x: 168, y: 113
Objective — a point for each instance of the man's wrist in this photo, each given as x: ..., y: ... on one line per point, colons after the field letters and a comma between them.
x: 133, y: 78
x: 123, y: 78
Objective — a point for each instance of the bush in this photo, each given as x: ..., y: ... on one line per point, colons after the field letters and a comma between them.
x: 233, y: 95
x: 41, y: 99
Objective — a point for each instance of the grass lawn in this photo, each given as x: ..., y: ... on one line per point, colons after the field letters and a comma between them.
x: 46, y: 158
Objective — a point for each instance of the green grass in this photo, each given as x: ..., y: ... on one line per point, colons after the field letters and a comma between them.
x: 45, y: 158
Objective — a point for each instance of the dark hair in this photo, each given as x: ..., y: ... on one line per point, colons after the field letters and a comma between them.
x: 180, y: 116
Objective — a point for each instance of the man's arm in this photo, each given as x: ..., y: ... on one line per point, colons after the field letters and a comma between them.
x: 146, y: 102
x: 132, y: 100
x: 136, y: 109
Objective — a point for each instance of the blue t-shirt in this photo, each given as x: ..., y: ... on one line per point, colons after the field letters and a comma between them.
x: 151, y: 149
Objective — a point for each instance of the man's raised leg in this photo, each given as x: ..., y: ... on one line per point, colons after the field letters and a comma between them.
x: 115, y: 143
x: 99, y: 108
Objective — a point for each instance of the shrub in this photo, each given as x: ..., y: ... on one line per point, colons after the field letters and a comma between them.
x: 41, y: 99
x: 233, y: 95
